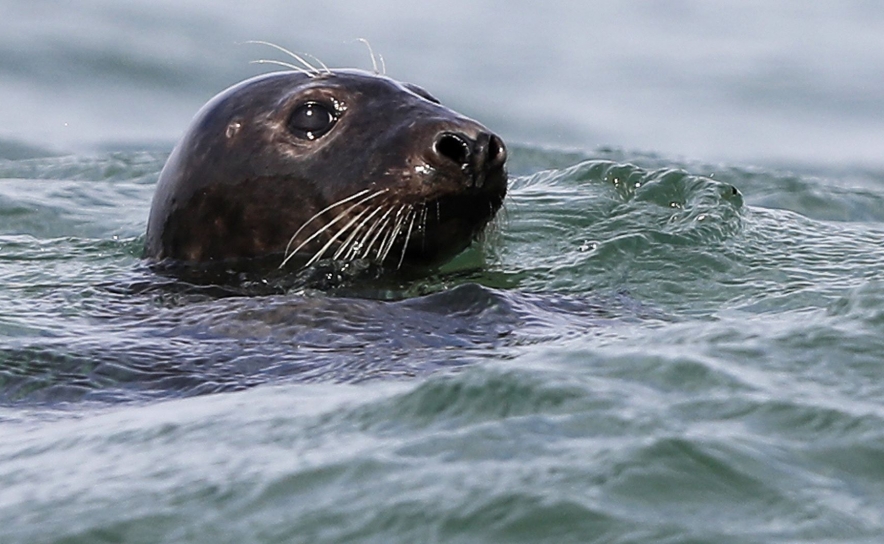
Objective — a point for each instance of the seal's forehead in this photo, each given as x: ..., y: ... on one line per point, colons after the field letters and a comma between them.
x: 366, y: 82
x: 288, y: 85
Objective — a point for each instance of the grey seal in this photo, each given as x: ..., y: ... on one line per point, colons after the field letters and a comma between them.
x: 296, y: 167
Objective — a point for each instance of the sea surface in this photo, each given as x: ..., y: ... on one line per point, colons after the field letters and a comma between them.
x: 673, y: 332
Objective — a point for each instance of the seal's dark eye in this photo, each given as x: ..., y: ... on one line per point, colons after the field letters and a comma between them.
x: 311, y: 120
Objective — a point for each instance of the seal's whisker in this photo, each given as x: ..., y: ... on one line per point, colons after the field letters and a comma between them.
x: 324, y: 66
x: 320, y: 212
x: 360, y: 245
x: 374, y: 60
x: 285, y: 64
x: 360, y: 220
x: 318, y: 255
x: 295, y: 56
x: 397, y: 228
x: 378, y: 236
x: 329, y: 207
x: 383, y: 65
x: 382, y: 224
x: 330, y: 223
x: 334, y: 237
x: 413, y: 214
x: 387, y: 230
x: 423, y: 227
x: 394, y: 232
x: 346, y: 245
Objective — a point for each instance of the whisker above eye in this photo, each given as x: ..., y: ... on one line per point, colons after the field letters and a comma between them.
x: 284, y: 64
x: 307, y: 69
x: 374, y: 60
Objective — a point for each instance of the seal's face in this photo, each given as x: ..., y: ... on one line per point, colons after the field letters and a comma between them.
x: 341, y: 164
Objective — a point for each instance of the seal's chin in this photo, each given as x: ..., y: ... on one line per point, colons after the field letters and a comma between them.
x: 448, y: 225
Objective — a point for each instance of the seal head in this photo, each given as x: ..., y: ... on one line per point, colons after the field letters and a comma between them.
x: 341, y: 165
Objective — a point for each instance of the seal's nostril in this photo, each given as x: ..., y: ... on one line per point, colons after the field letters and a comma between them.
x: 496, y: 151
x: 452, y: 147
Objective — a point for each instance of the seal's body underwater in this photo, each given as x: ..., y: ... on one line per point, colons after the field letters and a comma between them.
x: 339, y: 164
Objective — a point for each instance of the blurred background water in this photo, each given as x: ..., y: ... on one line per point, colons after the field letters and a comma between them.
x: 733, y: 80
x: 673, y: 333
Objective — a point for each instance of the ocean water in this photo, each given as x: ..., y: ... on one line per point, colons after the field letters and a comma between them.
x: 673, y: 333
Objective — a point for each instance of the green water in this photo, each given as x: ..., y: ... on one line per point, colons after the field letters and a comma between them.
x: 646, y: 348
x: 642, y: 350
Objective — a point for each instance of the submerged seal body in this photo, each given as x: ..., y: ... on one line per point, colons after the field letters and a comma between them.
x: 338, y: 164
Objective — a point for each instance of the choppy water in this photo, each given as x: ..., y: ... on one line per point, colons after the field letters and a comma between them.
x: 646, y: 348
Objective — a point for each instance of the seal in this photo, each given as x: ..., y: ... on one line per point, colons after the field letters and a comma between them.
x: 303, y: 166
